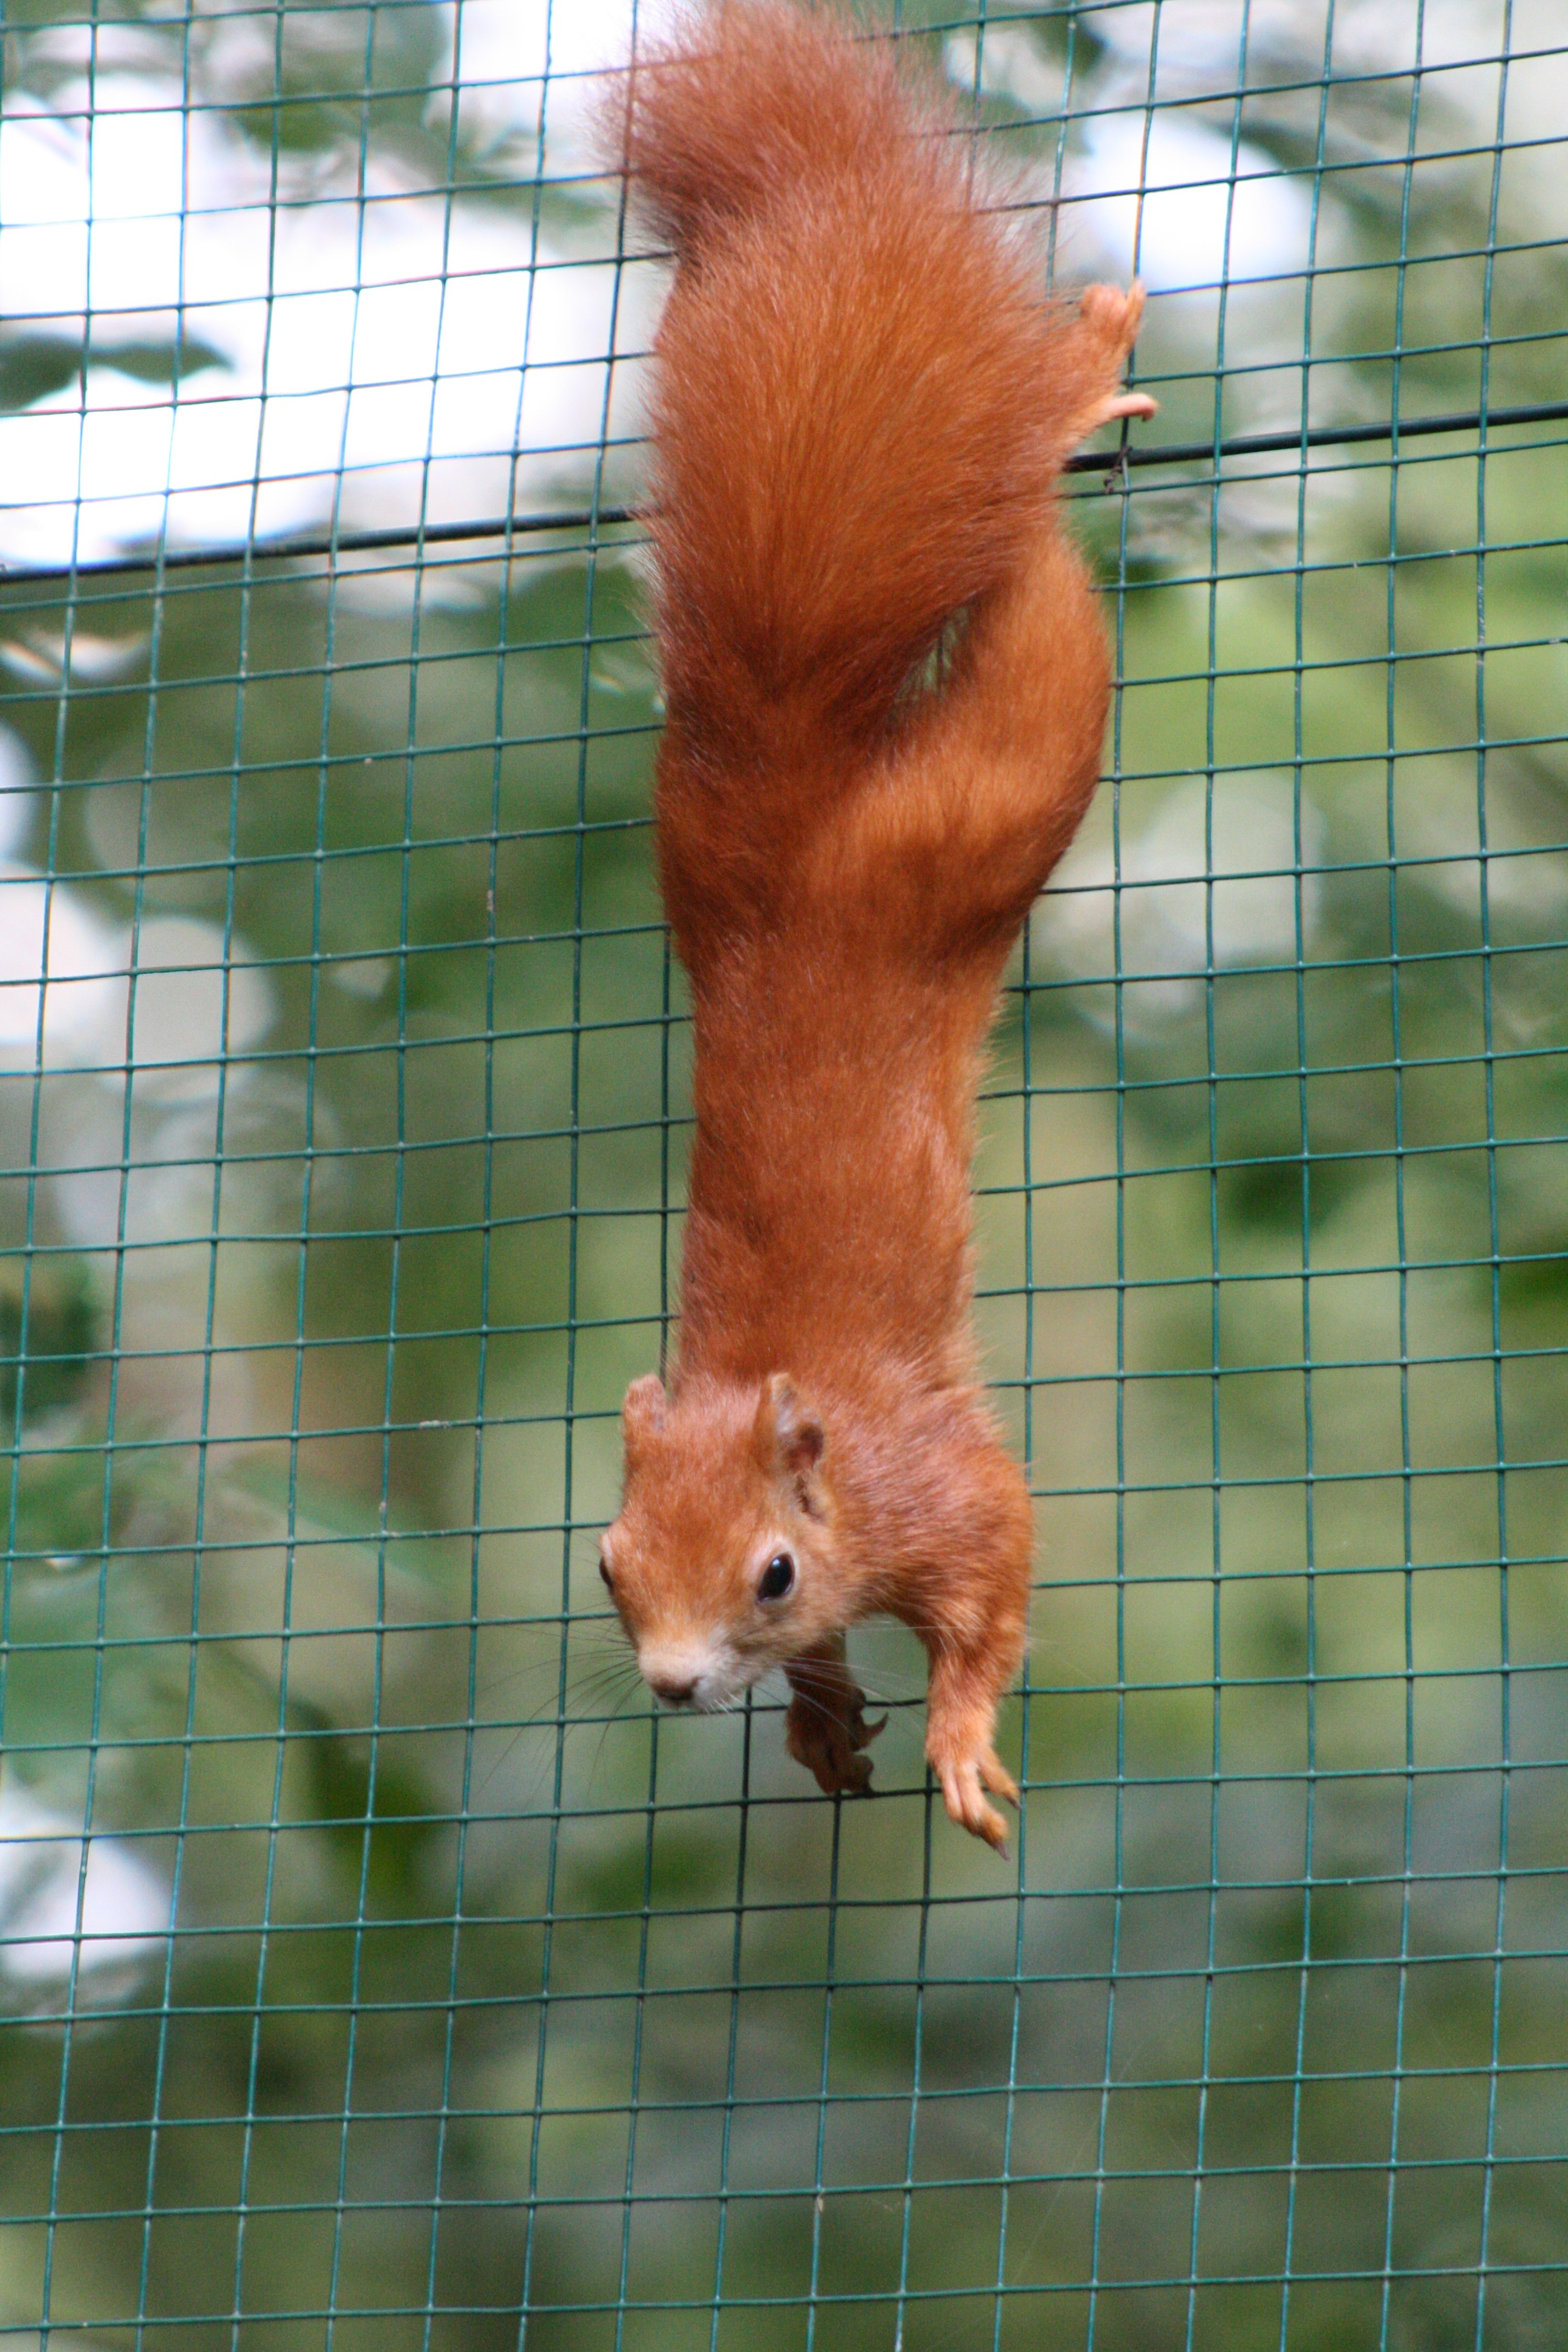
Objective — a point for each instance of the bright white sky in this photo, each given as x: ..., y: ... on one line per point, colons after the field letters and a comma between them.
x: 385, y: 344
x: 385, y: 336
x: 121, y: 1907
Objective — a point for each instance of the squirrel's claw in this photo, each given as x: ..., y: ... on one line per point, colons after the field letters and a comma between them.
x: 962, y: 1792
x: 966, y: 1804
x: 1130, y: 404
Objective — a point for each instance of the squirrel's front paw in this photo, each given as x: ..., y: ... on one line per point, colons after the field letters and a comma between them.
x: 828, y: 1732
x: 961, y: 1778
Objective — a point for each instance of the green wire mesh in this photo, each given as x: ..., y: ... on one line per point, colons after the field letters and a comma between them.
x: 375, y: 1968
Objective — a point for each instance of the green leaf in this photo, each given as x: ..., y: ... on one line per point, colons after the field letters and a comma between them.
x: 33, y: 367
x: 49, y: 1358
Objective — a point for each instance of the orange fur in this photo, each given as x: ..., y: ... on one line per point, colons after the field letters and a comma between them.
x: 863, y: 402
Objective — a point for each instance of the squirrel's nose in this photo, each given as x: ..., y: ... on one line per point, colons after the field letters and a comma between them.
x: 675, y: 1694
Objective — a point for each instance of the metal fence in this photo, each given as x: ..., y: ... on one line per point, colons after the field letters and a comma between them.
x: 375, y: 1968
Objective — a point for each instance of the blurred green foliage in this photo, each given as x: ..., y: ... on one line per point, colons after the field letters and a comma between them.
x: 490, y: 1990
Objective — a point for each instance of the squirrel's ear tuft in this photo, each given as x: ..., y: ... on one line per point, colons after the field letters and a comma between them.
x: 788, y: 1436
x: 642, y: 1412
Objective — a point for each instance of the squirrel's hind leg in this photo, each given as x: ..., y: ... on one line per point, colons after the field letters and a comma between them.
x: 947, y: 846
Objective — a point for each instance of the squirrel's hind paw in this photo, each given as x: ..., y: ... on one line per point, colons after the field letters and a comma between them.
x: 829, y: 1735
x: 1107, y: 319
x: 1112, y: 316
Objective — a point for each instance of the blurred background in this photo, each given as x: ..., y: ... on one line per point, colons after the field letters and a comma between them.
x: 375, y: 1968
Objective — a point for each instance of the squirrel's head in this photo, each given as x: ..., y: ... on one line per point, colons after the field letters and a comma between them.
x: 722, y: 1561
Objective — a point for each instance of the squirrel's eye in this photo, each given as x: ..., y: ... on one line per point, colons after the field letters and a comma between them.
x: 604, y: 1573
x: 776, y: 1578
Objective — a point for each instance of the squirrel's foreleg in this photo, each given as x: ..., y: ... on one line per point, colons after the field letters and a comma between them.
x: 825, y: 1728
x: 961, y: 1724
x: 974, y: 1609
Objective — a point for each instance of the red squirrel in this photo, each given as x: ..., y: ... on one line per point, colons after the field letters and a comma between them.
x: 886, y: 683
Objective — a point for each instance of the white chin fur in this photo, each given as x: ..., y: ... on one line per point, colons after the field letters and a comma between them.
x: 718, y: 1677
x: 712, y: 1698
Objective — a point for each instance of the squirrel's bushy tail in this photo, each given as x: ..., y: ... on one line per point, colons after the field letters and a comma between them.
x: 860, y: 390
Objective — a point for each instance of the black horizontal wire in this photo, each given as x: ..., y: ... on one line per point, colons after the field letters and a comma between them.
x: 1110, y: 463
